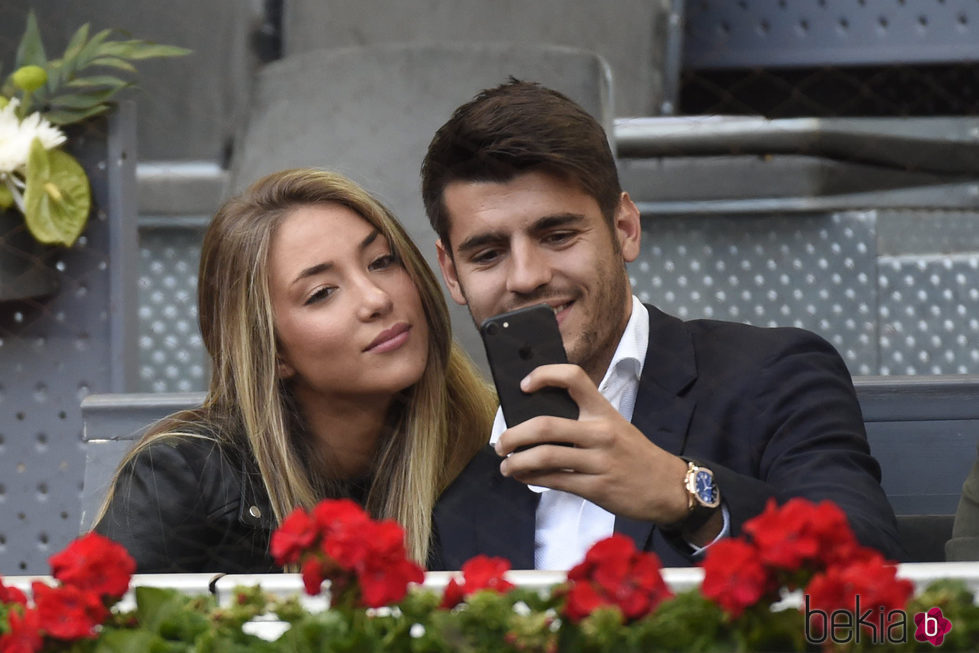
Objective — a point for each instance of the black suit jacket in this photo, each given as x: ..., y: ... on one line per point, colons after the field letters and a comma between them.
x: 771, y: 411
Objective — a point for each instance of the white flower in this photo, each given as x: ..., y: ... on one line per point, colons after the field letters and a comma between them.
x: 16, y: 136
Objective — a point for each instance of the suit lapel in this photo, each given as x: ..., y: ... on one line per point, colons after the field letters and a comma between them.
x: 662, y: 413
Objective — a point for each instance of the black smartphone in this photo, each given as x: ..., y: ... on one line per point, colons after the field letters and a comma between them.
x: 516, y: 343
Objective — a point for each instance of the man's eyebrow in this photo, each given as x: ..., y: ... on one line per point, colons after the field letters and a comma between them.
x: 319, y: 268
x: 556, y: 220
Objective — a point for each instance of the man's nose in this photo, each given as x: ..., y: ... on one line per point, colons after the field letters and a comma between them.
x: 528, y: 271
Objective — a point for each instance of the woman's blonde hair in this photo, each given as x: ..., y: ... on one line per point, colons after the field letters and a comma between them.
x: 437, y: 425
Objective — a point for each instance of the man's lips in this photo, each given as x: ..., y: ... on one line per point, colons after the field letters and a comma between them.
x: 391, y: 338
x: 561, y: 310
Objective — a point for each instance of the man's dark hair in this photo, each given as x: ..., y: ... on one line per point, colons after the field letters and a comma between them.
x: 512, y: 129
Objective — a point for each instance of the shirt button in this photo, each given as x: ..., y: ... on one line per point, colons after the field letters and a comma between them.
x: 255, y: 512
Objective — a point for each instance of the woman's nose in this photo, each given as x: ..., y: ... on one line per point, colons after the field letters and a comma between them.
x: 375, y: 301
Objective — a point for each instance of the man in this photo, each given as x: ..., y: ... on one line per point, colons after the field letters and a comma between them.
x: 685, y: 429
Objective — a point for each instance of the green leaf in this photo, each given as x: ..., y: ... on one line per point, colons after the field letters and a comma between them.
x: 57, y: 199
x: 31, y: 48
x: 69, y: 116
x: 113, y: 62
x: 82, y: 100
x: 90, y: 50
x: 128, y: 641
x: 76, y: 43
x: 98, y: 80
x: 175, y: 616
x: 136, y: 49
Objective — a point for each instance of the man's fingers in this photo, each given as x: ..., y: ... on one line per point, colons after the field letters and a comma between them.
x: 548, y: 457
x: 570, y: 377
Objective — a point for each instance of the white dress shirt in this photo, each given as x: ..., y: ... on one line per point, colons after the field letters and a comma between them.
x: 567, y: 525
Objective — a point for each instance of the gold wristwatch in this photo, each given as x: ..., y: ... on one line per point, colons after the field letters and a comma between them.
x: 703, y: 497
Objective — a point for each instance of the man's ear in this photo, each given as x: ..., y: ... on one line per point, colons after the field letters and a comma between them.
x: 628, y: 227
x: 448, y: 267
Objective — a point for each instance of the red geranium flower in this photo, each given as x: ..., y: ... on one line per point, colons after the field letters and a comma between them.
x: 297, y: 533
x: 24, y: 633
x: 479, y: 573
x: 384, y: 570
x: 96, y: 564
x: 334, y: 514
x: 68, y: 612
x: 339, y: 542
x: 11, y: 595
x: 314, y: 573
x: 385, y: 583
x: 583, y: 599
x: 801, y: 533
x: 873, y: 580
x: 614, y: 573
x: 734, y: 577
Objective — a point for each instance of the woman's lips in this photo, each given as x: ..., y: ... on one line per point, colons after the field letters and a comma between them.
x: 390, y: 339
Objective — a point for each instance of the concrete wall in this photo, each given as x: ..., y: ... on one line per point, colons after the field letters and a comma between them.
x: 629, y: 34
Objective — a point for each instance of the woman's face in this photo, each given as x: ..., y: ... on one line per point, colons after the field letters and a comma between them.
x: 349, y: 320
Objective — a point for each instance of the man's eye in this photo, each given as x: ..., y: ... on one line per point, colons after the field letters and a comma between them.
x: 558, y: 237
x: 383, y: 262
x: 485, y: 256
x: 319, y: 295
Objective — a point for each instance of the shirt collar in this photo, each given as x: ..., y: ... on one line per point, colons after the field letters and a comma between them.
x: 630, y: 355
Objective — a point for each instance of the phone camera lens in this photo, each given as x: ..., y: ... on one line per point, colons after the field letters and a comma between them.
x: 492, y: 328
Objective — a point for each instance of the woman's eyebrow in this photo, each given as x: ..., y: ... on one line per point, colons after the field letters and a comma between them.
x: 328, y: 265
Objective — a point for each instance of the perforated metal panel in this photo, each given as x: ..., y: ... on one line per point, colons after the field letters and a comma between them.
x: 747, y: 33
x: 171, y: 354
x: 929, y: 312
x: 55, y: 351
x: 816, y: 272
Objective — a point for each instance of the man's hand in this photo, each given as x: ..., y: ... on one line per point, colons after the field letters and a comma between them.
x: 612, y: 464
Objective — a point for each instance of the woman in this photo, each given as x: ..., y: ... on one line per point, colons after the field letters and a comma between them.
x: 333, y: 375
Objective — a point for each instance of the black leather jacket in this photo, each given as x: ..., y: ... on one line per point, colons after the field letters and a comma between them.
x: 189, y: 505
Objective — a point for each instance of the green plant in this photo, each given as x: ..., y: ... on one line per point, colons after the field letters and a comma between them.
x: 614, y: 601
x: 37, y: 99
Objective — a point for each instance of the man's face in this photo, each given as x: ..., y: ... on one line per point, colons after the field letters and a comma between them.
x: 539, y: 238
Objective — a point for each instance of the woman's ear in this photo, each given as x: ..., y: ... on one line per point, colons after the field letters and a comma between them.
x: 283, y: 369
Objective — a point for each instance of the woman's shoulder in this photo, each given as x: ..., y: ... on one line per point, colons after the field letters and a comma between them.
x: 191, y: 450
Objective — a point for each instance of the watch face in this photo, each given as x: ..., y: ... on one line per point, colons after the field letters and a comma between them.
x: 704, y: 487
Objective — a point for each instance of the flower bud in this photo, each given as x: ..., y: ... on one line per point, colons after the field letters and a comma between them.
x: 30, y: 78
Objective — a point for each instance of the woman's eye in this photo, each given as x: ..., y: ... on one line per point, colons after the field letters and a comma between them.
x: 319, y: 295
x: 383, y: 262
